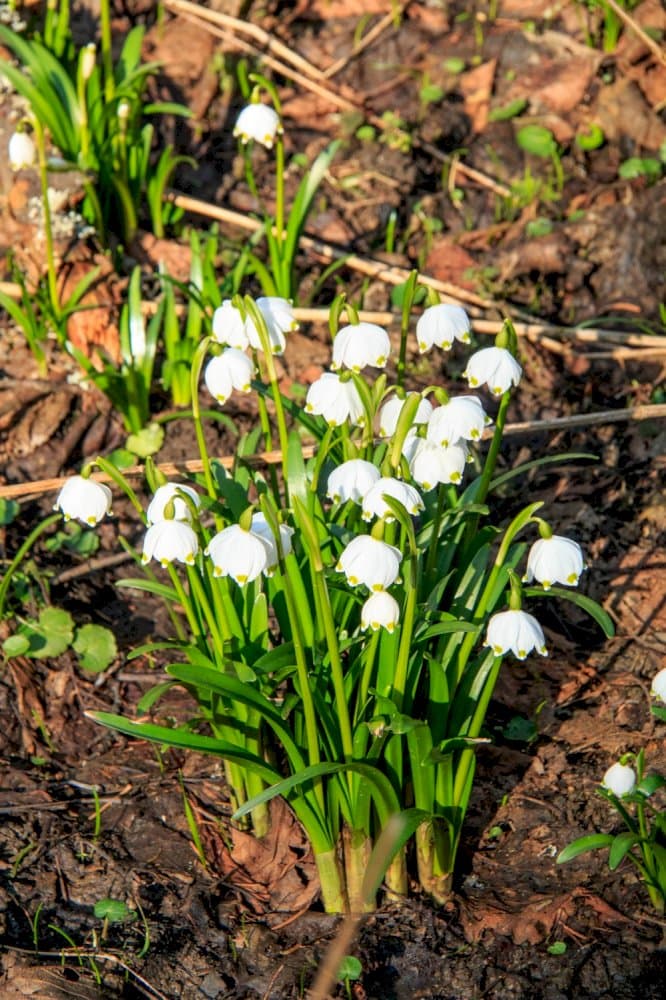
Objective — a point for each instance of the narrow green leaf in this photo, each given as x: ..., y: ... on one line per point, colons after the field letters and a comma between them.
x: 593, y: 842
x: 620, y: 847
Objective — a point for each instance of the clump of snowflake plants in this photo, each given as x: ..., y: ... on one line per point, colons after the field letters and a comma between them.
x: 340, y: 620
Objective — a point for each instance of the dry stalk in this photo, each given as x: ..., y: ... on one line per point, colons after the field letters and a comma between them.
x: 633, y: 25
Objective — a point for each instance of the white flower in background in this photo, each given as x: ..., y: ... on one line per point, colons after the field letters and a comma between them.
x: 351, y: 480
x: 279, y: 316
x: 391, y: 410
x: 462, y: 417
x: 658, y: 689
x: 374, y: 504
x: 259, y: 122
x: 84, y: 500
x: 494, y: 366
x: 334, y: 400
x: 442, y: 324
x: 620, y: 779
x: 167, y: 493
x: 516, y: 631
x: 170, y: 541
x: 229, y: 326
x: 361, y: 344
x: 21, y: 151
x: 243, y: 555
x: 554, y: 560
x: 380, y: 611
x: 430, y: 464
x: 232, y: 369
x: 261, y: 527
x: 366, y: 560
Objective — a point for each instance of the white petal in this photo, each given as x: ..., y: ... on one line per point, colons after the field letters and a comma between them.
x: 170, y: 541
x: 462, y: 417
x: 374, y: 504
x: 380, y: 611
x: 169, y: 492
x: 84, y: 499
x: 368, y: 561
x: 334, y: 400
x: 391, y: 410
x: 620, y: 779
x: 441, y: 325
x: 555, y: 560
x: 240, y: 554
x: 229, y: 327
x: 261, y: 527
x: 361, y: 344
x: 494, y: 366
x: 430, y: 464
x: 351, y: 480
x: 232, y: 369
x: 21, y: 151
x: 659, y: 685
x: 516, y: 631
x: 259, y: 122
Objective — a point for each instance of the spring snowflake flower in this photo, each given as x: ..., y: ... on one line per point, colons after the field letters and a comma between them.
x: 351, y: 480
x: 380, y: 611
x: 231, y: 329
x: 84, y: 500
x: 366, y: 560
x: 442, y: 324
x: 620, y: 779
x: 232, y: 369
x: 21, y: 151
x: 334, y: 400
x: 170, y: 492
x: 261, y: 527
x: 494, y: 366
x: 243, y: 555
x: 359, y: 345
x: 658, y: 689
x: 516, y: 631
x: 391, y: 410
x: 430, y: 464
x: 554, y: 560
x: 170, y: 541
x: 463, y: 417
x: 374, y: 504
x: 259, y: 122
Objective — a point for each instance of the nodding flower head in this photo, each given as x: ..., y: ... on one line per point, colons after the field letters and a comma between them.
x: 232, y: 369
x: 658, y: 688
x: 368, y: 561
x: 258, y: 122
x: 374, y: 504
x: 21, y: 151
x: 240, y: 554
x: 172, y: 492
x: 170, y: 541
x: 555, y: 560
x: 359, y: 345
x: 351, y: 480
x: 380, y: 611
x: 335, y: 400
x: 391, y: 410
x: 463, y: 417
x: 430, y: 464
x: 516, y: 631
x: 440, y: 325
x: 495, y: 367
x: 261, y: 527
x: 620, y: 779
x: 84, y: 500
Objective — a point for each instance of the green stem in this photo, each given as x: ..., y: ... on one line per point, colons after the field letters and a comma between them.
x: 333, y: 892
x: 493, y: 451
x: 218, y: 633
x: 284, y: 277
x: 107, y: 56
x: 192, y: 618
x: 197, y: 363
x: 21, y: 554
x: 48, y: 228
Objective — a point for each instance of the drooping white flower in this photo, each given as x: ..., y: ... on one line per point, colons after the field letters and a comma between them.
x: 366, y: 560
x: 334, y: 400
x: 361, y: 344
x: 238, y: 553
x: 620, y: 779
x: 430, y: 464
x: 555, y: 560
x: 391, y: 410
x: 259, y: 122
x: 84, y: 500
x: 261, y: 527
x: 658, y: 689
x: 232, y: 369
x: 21, y: 151
x: 351, y: 480
x: 170, y: 492
x: 442, y: 324
x: 516, y: 631
x: 229, y: 326
x: 494, y: 366
x: 279, y: 316
x: 463, y: 417
x: 170, y: 541
x: 380, y: 611
x: 374, y: 504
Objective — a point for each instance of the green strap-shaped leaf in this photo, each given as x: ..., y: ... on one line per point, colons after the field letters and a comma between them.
x: 593, y: 842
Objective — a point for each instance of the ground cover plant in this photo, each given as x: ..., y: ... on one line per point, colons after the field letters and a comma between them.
x: 351, y: 541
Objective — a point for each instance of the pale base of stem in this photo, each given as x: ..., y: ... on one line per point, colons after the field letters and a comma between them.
x: 436, y: 883
x: 333, y: 892
x: 396, y: 877
x: 358, y: 849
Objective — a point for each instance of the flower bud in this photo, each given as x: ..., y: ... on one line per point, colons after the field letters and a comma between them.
x: 620, y: 779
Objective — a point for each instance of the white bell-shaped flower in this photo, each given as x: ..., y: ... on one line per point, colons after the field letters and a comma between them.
x: 170, y: 541
x: 391, y: 410
x: 229, y: 327
x: 351, y: 480
x: 368, y: 561
x: 170, y: 492
x: 361, y: 344
x: 440, y: 325
x: 84, y: 500
x: 259, y: 122
x: 334, y: 400
x: 380, y: 611
x: 21, y: 151
x: 279, y: 316
x: 232, y: 369
x: 620, y: 779
x: 555, y: 560
x: 261, y: 527
x: 463, y: 417
x: 658, y: 689
x: 374, y: 504
x: 243, y: 555
x: 495, y: 367
x: 516, y: 631
x: 430, y: 464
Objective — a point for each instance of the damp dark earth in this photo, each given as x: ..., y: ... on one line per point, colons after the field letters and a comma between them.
x: 514, y: 154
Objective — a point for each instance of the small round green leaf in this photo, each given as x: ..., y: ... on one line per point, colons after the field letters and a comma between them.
x: 113, y: 910
x: 8, y: 511
x: 537, y: 140
x: 96, y: 647
x: 350, y: 968
x: 557, y: 948
x: 16, y: 645
x: 147, y: 442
